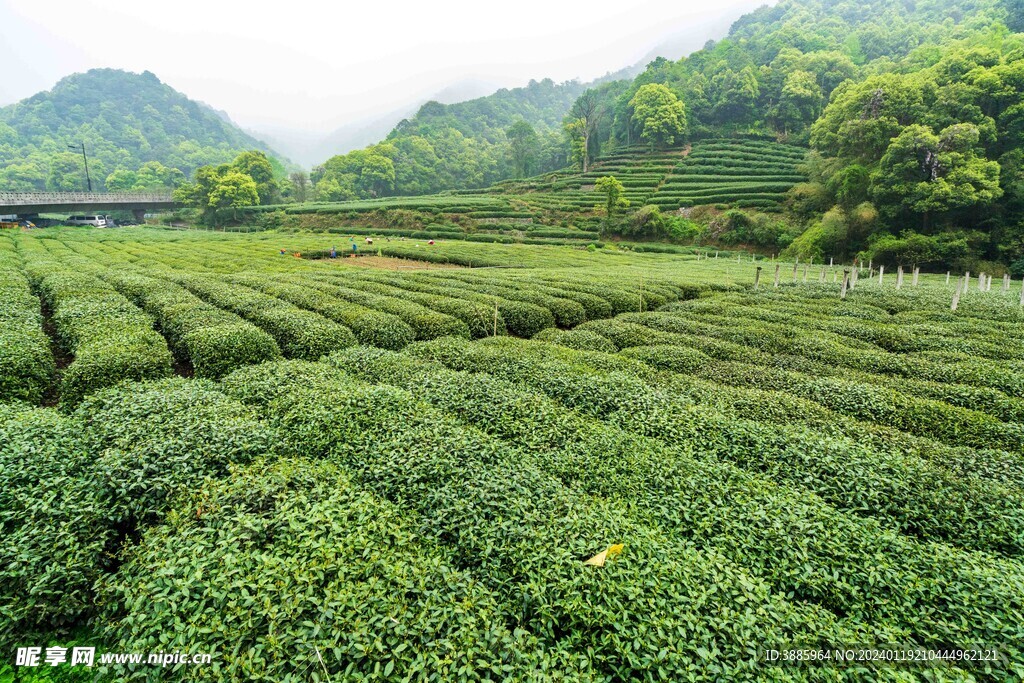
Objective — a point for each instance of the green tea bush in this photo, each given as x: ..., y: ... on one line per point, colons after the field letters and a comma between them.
x: 566, y: 312
x: 251, y: 550
x: 375, y: 328
x: 299, y: 333
x: 215, y: 350
x: 156, y: 437
x: 426, y: 324
x: 519, y: 317
x: 666, y: 484
x: 919, y: 496
x: 478, y: 318
x: 213, y: 341
x: 110, y: 338
x: 584, y: 340
x: 525, y: 536
x: 53, y: 536
x: 27, y: 367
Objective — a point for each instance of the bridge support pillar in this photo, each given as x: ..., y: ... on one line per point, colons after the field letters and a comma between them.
x: 139, y: 215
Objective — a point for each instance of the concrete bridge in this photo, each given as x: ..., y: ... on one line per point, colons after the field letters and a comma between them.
x: 32, y: 203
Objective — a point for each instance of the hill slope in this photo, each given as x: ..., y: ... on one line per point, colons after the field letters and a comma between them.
x: 126, y: 120
x: 462, y: 145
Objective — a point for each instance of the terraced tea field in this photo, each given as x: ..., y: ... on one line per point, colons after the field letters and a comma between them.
x: 568, y: 465
x: 740, y: 173
x: 724, y: 173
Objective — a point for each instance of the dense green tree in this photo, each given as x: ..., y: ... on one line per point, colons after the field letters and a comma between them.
x: 377, y: 175
x: 581, y: 125
x: 659, y: 114
x: 216, y: 188
x: 256, y: 165
x: 735, y: 98
x: 126, y: 121
x: 234, y: 190
x: 67, y: 173
x: 152, y: 175
x: 612, y: 190
x: 926, y: 174
x: 298, y: 182
x: 1014, y: 14
x: 800, y: 100
x: 523, y: 145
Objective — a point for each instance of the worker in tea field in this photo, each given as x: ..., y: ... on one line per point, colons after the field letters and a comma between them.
x: 334, y: 253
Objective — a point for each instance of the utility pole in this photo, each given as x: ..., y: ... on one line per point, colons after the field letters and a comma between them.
x: 88, y: 180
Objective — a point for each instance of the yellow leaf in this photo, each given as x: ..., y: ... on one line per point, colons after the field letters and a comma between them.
x: 599, y: 559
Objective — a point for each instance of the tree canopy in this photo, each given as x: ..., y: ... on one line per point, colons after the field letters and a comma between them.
x: 128, y: 122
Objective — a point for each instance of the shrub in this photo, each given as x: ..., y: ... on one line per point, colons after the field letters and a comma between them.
x: 212, y: 340
x: 27, y: 367
x: 153, y: 438
x: 577, y: 339
x: 111, y: 339
x: 216, y: 350
x: 388, y: 603
x: 52, y: 533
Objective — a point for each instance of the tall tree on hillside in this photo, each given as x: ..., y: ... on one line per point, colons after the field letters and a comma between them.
x: 523, y: 143
x: 234, y: 190
x: 612, y: 190
x: 659, y: 113
x: 66, y: 173
x: 1014, y: 14
x: 924, y: 173
x: 256, y: 165
x: 377, y: 176
x: 300, y: 186
x: 800, y: 101
x: 581, y: 124
x: 736, y: 95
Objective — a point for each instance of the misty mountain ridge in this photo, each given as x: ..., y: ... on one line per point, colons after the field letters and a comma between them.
x: 126, y: 121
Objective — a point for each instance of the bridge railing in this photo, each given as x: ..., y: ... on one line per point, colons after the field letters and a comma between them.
x: 37, y: 198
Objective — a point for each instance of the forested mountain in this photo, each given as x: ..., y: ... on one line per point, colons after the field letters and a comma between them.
x: 138, y: 132
x: 463, y: 145
x: 913, y: 113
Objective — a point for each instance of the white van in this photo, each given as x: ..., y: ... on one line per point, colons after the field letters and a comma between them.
x: 95, y: 221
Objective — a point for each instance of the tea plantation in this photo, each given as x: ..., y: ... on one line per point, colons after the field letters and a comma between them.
x: 462, y: 461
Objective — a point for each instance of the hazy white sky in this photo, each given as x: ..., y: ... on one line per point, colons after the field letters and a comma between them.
x: 317, y: 65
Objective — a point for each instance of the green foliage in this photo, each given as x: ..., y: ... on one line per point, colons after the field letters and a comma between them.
x: 53, y: 536
x: 390, y: 605
x: 213, y: 341
x: 73, y: 490
x: 247, y: 181
x: 110, y: 338
x: 951, y: 249
x: 27, y: 368
x: 439, y: 501
x: 298, y: 333
x: 823, y: 239
x: 523, y: 145
x: 741, y: 227
x: 925, y: 173
x: 659, y: 114
x: 139, y: 134
x: 612, y: 190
